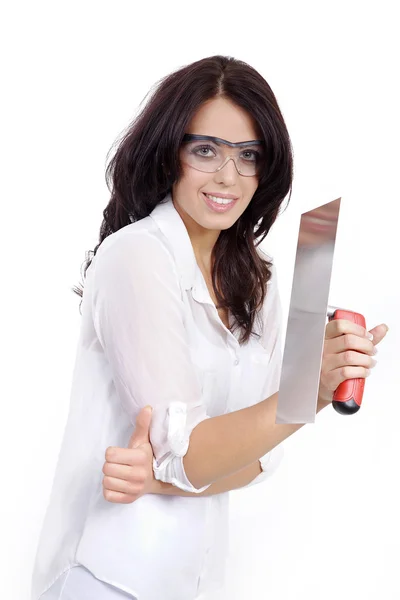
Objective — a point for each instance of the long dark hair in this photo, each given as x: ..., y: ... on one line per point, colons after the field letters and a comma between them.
x: 146, y: 164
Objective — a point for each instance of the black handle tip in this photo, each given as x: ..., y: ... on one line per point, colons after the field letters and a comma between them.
x: 350, y: 407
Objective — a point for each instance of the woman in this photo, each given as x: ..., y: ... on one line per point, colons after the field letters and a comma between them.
x: 181, y: 312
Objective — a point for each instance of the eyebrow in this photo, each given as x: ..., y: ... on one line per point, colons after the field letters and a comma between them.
x: 193, y: 136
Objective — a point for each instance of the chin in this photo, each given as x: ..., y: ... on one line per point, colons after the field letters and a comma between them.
x: 220, y: 222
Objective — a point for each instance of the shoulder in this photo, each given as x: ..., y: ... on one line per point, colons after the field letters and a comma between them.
x: 142, y: 240
x: 265, y: 255
x: 136, y: 253
x: 270, y: 259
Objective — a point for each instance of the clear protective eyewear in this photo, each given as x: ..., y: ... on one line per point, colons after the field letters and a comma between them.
x: 207, y: 153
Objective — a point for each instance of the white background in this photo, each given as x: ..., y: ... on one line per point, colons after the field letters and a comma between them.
x: 326, y: 525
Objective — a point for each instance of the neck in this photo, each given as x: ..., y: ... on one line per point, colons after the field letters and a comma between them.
x: 203, y: 240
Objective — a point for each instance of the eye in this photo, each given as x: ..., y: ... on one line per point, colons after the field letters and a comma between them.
x: 251, y: 155
x: 202, y: 150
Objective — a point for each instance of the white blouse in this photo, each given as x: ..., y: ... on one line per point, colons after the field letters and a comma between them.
x: 151, y: 334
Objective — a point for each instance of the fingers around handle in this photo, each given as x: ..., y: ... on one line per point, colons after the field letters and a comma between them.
x: 348, y: 396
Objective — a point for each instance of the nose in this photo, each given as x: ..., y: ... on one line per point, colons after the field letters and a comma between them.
x: 228, y: 174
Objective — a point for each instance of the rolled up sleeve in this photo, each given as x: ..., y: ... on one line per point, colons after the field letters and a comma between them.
x: 138, y: 315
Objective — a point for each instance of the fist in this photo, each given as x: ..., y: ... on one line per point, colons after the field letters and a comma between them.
x: 347, y: 354
x: 128, y: 472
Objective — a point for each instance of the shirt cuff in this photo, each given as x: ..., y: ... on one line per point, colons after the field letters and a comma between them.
x: 168, y: 462
x: 174, y: 473
x: 269, y: 464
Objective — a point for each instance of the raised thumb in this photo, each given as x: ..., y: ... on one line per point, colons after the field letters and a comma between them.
x: 379, y: 333
x: 141, y: 434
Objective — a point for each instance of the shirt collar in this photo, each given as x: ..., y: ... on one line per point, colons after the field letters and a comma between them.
x: 172, y: 226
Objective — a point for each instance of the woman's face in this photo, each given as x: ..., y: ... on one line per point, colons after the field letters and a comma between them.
x: 220, y: 118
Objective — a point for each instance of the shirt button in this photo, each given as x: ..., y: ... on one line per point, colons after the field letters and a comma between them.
x: 236, y: 362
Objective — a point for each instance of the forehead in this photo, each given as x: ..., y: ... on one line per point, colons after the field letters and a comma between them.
x: 222, y: 118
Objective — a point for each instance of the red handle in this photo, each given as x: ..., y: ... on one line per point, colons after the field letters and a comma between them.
x: 347, y: 397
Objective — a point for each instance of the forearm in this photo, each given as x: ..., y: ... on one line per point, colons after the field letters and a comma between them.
x: 222, y: 446
x: 226, y: 484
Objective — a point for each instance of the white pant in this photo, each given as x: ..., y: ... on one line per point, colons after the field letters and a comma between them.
x: 79, y: 584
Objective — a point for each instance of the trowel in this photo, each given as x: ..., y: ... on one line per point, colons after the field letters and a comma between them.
x: 307, y: 319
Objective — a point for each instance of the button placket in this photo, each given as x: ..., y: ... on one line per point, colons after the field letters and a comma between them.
x: 233, y: 347
x: 236, y: 373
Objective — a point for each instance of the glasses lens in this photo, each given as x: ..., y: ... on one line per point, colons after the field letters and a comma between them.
x: 208, y: 156
x: 249, y: 161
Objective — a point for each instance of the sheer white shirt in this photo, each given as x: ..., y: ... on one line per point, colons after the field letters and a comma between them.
x: 151, y: 334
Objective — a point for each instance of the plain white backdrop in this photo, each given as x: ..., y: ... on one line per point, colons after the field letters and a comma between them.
x: 327, y: 524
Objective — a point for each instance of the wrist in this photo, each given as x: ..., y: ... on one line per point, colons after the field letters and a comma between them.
x: 325, y: 397
x: 155, y: 486
x: 322, y: 403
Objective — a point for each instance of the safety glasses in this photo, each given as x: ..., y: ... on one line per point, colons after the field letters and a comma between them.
x: 210, y: 154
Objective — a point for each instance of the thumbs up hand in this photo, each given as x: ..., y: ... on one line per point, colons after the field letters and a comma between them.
x: 129, y: 471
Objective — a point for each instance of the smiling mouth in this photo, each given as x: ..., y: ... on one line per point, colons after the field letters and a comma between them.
x: 220, y: 199
x: 218, y: 204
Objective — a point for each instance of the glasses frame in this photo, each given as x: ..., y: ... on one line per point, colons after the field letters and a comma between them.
x: 189, y: 137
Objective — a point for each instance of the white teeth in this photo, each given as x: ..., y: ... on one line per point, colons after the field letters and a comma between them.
x: 218, y: 200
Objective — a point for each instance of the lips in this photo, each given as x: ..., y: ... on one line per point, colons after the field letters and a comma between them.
x: 216, y: 207
x: 223, y: 196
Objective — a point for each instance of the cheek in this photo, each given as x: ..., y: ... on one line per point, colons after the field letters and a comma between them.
x: 186, y: 191
x: 192, y: 181
x: 249, y: 187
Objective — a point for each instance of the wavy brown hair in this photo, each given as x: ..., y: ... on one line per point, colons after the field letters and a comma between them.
x: 146, y: 164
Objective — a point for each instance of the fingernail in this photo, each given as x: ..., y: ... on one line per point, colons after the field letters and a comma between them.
x: 387, y: 328
x: 375, y: 350
x: 368, y: 373
x: 374, y: 362
x: 369, y: 336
